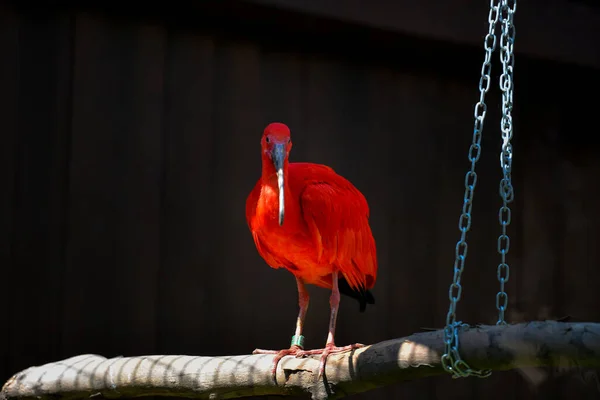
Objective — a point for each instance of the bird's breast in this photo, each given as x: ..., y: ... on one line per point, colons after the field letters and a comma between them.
x: 292, y: 240
x: 267, y: 209
x: 294, y: 251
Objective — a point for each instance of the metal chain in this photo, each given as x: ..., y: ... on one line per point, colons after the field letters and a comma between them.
x: 507, y: 39
x: 451, y: 360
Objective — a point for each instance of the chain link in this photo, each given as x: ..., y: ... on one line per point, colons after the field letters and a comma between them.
x: 451, y: 360
x: 507, y: 39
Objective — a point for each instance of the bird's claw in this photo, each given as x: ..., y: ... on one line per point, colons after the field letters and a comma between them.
x: 279, y: 354
x: 325, y: 352
x: 299, y: 353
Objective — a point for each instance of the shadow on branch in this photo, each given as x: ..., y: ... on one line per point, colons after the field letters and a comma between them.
x: 499, y: 348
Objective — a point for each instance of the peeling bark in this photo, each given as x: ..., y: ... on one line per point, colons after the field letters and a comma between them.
x: 499, y: 348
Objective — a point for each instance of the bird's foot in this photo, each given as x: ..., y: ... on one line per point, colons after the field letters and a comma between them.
x: 294, y: 350
x: 330, y: 348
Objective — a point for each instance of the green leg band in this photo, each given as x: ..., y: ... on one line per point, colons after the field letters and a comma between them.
x: 298, y: 341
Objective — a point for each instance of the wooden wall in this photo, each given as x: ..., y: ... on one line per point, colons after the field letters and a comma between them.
x: 129, y: 145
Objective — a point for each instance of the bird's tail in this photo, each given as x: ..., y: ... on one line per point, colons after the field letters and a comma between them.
x: 363, y: 296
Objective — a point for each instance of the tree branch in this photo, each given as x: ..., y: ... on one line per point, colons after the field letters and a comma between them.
x: 499, y: 348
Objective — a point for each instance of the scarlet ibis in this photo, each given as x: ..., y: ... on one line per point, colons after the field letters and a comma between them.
x: 306, y: 218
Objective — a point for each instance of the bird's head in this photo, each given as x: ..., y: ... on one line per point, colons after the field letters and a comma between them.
x: 276, y: 144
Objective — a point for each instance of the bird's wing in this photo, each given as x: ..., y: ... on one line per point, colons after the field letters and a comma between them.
x: 337, y: 216
x: 251, y: 203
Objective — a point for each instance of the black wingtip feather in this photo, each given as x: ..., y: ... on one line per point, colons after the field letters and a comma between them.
x: 363, y: 297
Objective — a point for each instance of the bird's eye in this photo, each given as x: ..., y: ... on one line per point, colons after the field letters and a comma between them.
x: 289, y: 140
x: 267, y: 139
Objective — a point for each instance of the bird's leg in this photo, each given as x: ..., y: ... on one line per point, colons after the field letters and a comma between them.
x: 297, y: 345
x: 330, y: 347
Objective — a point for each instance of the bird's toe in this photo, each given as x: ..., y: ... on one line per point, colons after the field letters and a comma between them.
x: 279, y: 354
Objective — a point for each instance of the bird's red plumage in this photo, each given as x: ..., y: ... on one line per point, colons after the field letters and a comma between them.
x: 326, y: 224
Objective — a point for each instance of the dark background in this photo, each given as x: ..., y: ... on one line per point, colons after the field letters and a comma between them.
x: 129, y: 140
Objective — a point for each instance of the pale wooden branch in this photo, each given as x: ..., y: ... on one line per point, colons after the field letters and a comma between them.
x: 548, y: 343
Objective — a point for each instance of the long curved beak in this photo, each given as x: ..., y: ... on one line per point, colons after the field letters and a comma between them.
x: 278, y: 156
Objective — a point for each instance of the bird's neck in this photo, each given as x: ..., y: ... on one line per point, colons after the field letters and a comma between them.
x: 269, y: 176
x: 269, y: 197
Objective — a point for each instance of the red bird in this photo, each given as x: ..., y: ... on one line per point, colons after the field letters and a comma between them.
x: 313, y: 222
